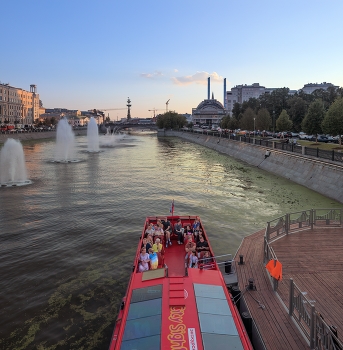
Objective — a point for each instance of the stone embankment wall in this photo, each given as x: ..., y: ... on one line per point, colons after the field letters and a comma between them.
x: 323, y: 177
x: 26, y: 136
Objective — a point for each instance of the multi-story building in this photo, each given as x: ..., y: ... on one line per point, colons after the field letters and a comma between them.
x: 309, y: 88
x: 18, y: 106
x: 241, y: 93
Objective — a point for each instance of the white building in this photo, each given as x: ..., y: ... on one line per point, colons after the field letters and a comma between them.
x: 309, y: 88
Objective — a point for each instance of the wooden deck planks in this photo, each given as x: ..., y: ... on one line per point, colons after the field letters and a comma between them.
x: 314, y: 259
x: 276, y: 327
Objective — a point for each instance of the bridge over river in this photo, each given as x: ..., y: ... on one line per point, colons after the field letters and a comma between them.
x: 115, y: 127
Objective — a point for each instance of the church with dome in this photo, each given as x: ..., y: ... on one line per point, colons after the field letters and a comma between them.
x: 209, y: 111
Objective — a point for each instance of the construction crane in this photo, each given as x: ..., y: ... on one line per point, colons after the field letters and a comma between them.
x: 167, y: 103
x: 154, y: 110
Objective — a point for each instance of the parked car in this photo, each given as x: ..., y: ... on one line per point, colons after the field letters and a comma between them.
x: 303, y: 136
x: 330, y: 138
x: 322, y: 138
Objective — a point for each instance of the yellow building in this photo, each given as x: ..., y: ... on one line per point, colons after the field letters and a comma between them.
x: 18, y: 106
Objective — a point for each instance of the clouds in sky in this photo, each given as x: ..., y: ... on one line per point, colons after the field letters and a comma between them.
x: 198, y: 78
x: 151, y: 75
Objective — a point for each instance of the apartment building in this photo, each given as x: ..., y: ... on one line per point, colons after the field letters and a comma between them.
x: 311, y: 87
x: 18, y: 106
x: 241, y: 93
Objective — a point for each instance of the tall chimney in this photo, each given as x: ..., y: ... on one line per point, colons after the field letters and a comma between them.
x: 225, y: 94
x: 208, y: 88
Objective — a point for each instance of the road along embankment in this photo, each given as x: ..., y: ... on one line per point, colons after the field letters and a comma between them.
x: 323, y: 177
x: 27, y: 136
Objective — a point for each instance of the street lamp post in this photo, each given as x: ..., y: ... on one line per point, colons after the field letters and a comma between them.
x: 273, y: 121
x: 254, y: 126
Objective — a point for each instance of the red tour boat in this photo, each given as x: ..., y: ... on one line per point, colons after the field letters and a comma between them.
x: 175, y: 306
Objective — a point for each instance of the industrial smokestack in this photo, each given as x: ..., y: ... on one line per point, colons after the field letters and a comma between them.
x: 208, y: 88
x: 225, y: 94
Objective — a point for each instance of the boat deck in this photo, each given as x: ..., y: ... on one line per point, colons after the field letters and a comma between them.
x: 175, y: 307
x: 314, y: 259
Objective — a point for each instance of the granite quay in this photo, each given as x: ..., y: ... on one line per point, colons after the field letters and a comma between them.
x: 320, y: 175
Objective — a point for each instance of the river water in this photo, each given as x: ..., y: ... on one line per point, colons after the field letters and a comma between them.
x: 67, y: 241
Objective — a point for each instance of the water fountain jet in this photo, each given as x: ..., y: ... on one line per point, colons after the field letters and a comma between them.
x: 12, y: 165
x: 93, y: 136
x: 65, y: 143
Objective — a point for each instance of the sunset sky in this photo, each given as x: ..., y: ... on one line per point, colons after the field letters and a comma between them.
x: 95, y: 54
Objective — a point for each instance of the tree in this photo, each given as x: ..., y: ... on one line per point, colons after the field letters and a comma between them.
x: 312, y: 123
x: 283, y: 123
x: 297, y: 111
x: 236, y: 110
x: 253, y: 103
x: 333, y: 121
x: 263, y: 119
x: 224, y: 122
x: 233, y: 124
x: 247, y: 121
x: 170, y: 120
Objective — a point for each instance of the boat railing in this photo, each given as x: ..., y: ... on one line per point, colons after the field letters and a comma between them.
x: 320, y: 335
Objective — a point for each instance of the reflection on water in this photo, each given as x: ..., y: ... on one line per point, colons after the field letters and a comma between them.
x: 67, y: 241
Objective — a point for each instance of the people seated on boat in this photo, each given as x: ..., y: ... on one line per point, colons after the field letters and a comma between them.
x: 179, y: 231
x: 167, y: 231
x: 206, y: 257
x: 159, y: 229
x: 205, y: 260
x: 202, y: 246
x: 193, y: 260
x: 189, y: 247
x: 149, y: 230
x: 153, y: 259
x: 187, y: 232
x: 150, y: 242
x: 143, y: 260
x: 144, y: 243
x: 197, y: 237
x: 157, y: 247
x: 196, y: 225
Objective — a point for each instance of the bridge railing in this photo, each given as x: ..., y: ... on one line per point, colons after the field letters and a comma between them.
x: 332, y: 155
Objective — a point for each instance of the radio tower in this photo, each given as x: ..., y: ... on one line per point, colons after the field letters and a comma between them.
x: 128, y: 109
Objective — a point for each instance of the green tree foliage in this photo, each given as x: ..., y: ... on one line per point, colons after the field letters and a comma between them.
x: 312, y: 123
x: 263, y: 119
x: 170, y: 120
x: 233, y: 124
x: 297, y: 111
x: 236, y: 110
x: 247, y: 121
x: 333, y: 120
x: 283, y: 123
x: 225, y: 122
x: 296, y: 105
x: 253, y: 103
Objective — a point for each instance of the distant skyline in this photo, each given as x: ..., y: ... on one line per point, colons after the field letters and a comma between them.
x: 95, y: 54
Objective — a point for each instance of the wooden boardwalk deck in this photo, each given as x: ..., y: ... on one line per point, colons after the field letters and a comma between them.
x: 314, y: 259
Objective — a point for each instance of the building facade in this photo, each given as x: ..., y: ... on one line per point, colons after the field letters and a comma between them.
x: 208, y: 112
x: 241, y: 93
x: 309, y: 88
x: 18, y: 106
